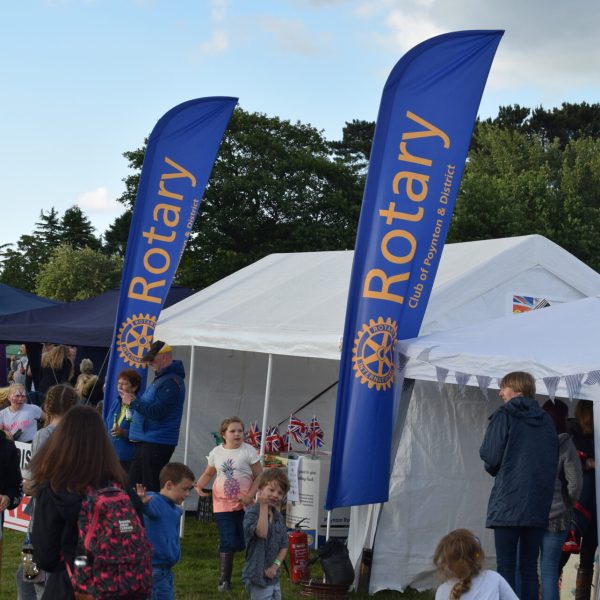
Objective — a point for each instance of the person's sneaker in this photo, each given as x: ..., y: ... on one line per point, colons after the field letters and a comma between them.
x: 224, y: 587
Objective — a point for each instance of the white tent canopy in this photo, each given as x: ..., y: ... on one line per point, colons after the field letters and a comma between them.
x: 294, y: 304
x: 437, y: 482
x: 291, y: 307
x: 558, y: 344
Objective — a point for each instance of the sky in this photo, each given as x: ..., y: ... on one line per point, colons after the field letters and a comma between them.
x: 85, y: 80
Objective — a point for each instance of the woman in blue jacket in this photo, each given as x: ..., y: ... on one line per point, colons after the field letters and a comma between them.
x: 520, y: 449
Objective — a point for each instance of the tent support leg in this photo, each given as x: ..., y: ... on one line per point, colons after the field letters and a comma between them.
x: 188, y: 416
x: 266, y: 409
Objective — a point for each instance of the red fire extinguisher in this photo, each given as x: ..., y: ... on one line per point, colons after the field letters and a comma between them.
x: 298, y: 547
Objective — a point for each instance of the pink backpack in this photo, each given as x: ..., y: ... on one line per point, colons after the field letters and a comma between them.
x: 114, y: 556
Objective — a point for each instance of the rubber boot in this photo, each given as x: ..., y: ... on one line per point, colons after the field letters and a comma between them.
x: 583, y: 584
x: 226, y: 560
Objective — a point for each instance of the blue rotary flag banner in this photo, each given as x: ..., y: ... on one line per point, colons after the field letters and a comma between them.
x: 426, y: 118
x: 179, y: 158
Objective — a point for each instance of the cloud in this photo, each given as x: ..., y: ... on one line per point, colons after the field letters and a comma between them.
x: 550, y: 45
x: 292, y: 35
x: 218, y: 10
x: 98, y: 201
x: 409, y: 30
x: 218, y: 43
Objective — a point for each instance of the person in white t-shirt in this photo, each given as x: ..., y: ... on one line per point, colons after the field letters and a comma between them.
x: 19, y: 419
x: 236, y: 466
x: 459, y: 561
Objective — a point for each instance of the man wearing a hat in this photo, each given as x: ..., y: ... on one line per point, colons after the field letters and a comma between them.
x: 156, y: 416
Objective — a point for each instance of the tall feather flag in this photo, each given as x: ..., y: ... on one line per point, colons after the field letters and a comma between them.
x: 179, y: 158
x: 426, y: 118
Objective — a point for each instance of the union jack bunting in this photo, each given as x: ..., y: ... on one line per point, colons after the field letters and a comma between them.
x: 297, y: 429
x: 254, y: 435
x: 274, y: 441
x: 314, y: 436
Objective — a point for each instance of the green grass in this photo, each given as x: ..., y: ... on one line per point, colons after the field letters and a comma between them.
x: 196, y: 575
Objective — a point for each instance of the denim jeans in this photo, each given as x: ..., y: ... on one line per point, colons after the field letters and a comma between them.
x: 552, y: 544
x: 528, y: 540
x: 270, y: 592
x: 163, y: 585
x: 231, y: 530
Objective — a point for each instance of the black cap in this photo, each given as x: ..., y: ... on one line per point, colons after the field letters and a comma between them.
x: 157, y: 347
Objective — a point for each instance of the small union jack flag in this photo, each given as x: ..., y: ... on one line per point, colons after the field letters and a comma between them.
x: 285, y: 441
x: 314, y: 436
x: 274, y: 441
x: 297, y: 429
x: 254, y: 435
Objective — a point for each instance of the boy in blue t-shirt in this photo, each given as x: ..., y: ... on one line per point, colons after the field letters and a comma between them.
x: 162, y: 515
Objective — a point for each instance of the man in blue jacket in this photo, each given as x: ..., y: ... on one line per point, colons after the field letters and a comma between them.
x: 156, y: 417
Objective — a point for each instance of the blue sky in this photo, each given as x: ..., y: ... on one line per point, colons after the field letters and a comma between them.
x: 86, y: 80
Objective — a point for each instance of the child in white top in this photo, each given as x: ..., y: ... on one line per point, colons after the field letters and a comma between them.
x: 236, y: 465
x: 459, y: 560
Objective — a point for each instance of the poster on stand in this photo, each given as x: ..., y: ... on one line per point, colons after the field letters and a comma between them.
x: 307, y: 505
x: 16, y: 518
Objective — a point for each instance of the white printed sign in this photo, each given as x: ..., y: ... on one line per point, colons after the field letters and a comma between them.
x: 16, y: 518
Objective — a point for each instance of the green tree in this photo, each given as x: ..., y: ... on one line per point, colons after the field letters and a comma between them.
x: 77, y: 274
x: 115, y: 237
x: 276, y: 186
x: 77, y: 230
x: 566, y: 123
x: 518, y: 183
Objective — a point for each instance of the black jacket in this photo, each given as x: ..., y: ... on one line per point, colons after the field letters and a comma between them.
x: 55, y: 535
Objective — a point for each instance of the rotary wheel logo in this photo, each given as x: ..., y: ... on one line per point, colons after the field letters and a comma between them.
x: 373, y: 353
x: 134, y: 338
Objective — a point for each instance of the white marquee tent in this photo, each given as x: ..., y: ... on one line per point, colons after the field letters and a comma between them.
x: 291, y: 307
x: 438, y: 483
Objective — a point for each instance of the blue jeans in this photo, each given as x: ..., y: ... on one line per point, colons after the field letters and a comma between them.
x: 552, y: 544
x: 270, y: 592
x: 231, y: 530
x: 528, y: 540
x: 163, y: 585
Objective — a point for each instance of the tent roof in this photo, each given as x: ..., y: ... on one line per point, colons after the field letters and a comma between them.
x: 294, y: 304
x: 84, y: 323
x: 560, y: 341
x: 13, y: 300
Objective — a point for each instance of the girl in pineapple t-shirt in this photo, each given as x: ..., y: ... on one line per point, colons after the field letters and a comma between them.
x: 237, y: 466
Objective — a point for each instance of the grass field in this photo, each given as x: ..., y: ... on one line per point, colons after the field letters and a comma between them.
x: 195, y: 576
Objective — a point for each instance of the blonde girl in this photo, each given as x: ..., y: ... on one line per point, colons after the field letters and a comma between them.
x: 458, y: 559
x: 57, y: 367
x: 236, y: 466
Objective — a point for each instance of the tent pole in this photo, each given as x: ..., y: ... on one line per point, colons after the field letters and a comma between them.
x: 263, y: 439
x: 188, y: 415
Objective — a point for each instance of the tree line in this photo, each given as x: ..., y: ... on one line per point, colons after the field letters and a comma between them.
x: 279, y: 186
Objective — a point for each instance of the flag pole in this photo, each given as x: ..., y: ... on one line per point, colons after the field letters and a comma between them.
x: 263, y: 438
